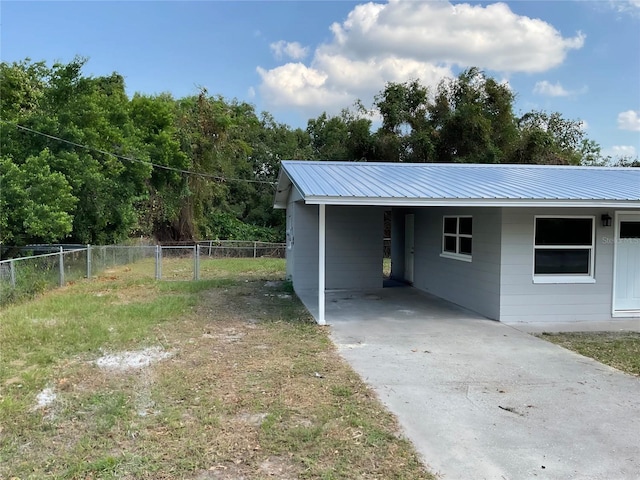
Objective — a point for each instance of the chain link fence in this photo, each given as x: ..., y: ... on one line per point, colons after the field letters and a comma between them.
x: 26, y: 276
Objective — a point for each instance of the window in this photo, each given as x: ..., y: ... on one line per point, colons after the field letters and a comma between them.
x: 629, y: 229
x: 457, y: 235
x: 563, y: 249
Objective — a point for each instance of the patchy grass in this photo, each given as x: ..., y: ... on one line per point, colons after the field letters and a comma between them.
x: 249, y: 386
x: 620, y: 350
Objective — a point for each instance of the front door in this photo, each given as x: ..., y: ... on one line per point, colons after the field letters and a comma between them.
x: 626, y: 294
x: 408, y: 247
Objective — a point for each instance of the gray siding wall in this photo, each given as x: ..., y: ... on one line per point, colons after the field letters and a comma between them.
x: 354, y: 247
x: 474, y: 285
x: 305, y: 248
x: 294, y: 196
x: 525, y: 301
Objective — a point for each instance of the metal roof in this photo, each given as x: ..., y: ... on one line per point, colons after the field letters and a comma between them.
x: 429, y: 184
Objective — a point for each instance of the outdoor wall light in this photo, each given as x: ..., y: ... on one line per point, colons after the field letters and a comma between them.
x: 606, y: 220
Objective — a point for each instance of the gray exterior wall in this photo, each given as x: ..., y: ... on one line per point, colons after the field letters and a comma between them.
x: 354, y: 242
x: 354, y: 247
x: 294, y: 196
x: 521, y: 300
x: 304, y: 251
x: 474, y: 285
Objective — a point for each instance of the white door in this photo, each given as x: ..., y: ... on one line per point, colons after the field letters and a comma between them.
x: 626, y: 295
x: 408, y: 247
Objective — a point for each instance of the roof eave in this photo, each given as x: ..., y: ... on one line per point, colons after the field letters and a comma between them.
x: 469, y: 202
x: 283, y: 187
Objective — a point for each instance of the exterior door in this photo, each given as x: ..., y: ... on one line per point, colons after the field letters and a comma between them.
x: 626, y: 294
x: 408, y: 247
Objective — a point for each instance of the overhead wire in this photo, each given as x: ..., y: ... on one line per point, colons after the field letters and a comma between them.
x: 137, y: 160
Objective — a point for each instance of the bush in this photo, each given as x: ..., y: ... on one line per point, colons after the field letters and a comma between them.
x: 224, y: 226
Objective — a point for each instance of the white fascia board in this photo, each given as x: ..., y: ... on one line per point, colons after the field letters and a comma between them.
x: 469, y: 202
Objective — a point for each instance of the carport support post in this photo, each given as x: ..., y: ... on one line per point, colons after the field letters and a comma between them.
x: 321, y: 261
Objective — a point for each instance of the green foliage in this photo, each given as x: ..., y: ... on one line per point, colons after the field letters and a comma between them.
x: 344, y: 137
x: 35, y: 203
x: 61, y: 102
x: 224, y: 226
x: 97, y: 185
x: 553, y: 140
x: 470, y: 119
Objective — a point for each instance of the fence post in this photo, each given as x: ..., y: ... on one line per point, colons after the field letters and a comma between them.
x: 88, y: 261
x: 61, y: 264
x: 158, y: 262
x: 12, y: 270
x: 254, y: 249
x: 196, y: 262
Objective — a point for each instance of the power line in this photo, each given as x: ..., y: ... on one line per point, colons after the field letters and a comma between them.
x: 136, y: 160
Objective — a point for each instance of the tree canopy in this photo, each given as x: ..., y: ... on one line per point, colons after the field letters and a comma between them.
x: 82, y: 162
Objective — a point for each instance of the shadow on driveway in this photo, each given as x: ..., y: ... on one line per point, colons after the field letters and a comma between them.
x: 482, y: 400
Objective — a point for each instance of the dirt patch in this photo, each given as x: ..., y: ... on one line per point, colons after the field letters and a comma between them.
x: 45, y: 398
x: 132, y: 360
x: 276, y: 467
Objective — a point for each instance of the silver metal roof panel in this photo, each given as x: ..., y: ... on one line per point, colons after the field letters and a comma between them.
x: 372, y: 183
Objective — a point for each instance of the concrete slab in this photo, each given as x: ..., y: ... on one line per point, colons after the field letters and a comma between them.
x: 483, y: 400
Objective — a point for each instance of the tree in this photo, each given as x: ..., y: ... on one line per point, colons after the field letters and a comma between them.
x: 91, y: 116
x: 155, y: 119
x: 473, y: 118
x: 553, y: 140
x: 344, y: 137
x: 406, y: 134
x: 34, y: 202
x: 270, y: 142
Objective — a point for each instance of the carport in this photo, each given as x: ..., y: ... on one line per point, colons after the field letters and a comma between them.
x: 483, y: 400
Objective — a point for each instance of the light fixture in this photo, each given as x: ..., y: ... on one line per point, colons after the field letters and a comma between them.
x: 606, y: 220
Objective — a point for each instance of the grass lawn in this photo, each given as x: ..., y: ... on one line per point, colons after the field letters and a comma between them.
x: 620, y: 350
x: 225, y: 378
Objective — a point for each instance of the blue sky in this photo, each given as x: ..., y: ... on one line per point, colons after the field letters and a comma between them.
x: 297, y: 59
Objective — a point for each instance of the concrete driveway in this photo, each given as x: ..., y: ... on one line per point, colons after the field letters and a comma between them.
x: 482, y: 400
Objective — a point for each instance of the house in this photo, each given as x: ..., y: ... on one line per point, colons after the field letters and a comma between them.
x: 515, y: 243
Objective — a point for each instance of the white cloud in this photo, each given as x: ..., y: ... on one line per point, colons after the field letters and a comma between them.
x: 292, y: 50
x: 491, y: 37
x: 251, y: 92
x: 335, y: 82
x: 629, y: 120
x: 626, y: 6
x: 617, y: 151
x: 549, y: 89
x: 404, y: 40
x: 555, y: 90
x: 299, y: 85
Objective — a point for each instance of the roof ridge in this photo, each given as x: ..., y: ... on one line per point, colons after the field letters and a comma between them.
x: 345, y: 163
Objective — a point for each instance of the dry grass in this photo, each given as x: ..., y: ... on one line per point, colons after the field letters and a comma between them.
x: 620, y: 350
x: 252, y: 390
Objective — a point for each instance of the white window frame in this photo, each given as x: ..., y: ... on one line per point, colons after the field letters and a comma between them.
x: 562, y: 277
x: 465, y: 257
